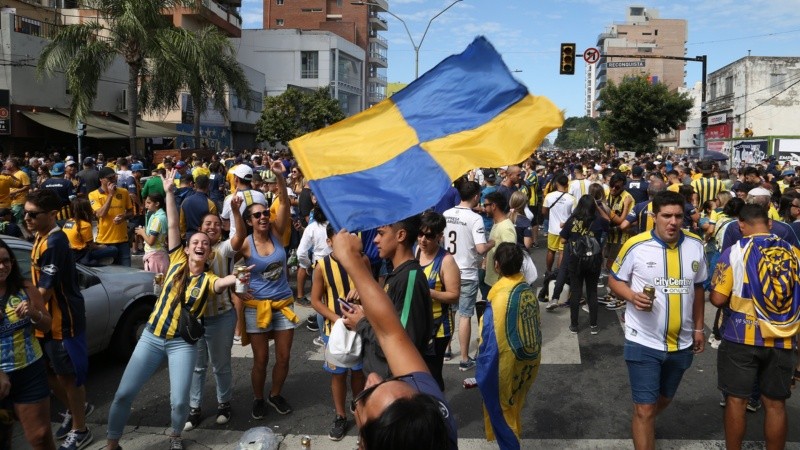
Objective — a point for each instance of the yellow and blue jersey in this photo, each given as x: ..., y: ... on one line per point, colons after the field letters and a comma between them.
x: 337, y: 285
x: 19, y: 347
x: 443, y: 316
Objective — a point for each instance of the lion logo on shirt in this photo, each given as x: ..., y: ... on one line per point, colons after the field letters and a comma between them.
x: 272, y: 272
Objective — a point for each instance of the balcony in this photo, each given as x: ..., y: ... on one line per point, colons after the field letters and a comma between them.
x: 375, y: 97
x: 379, y: 5
x: 379, y: 40
x: 26, y: 25
x: 378, y: 79
x: 220, y: 15
x: 378, y: 59
x: 378, y: 22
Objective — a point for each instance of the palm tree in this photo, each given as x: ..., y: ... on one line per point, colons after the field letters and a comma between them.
x: 202, y: 62
x: 127, y: 28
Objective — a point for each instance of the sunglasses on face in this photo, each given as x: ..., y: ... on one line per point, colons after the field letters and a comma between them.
x: 364, y: 395
x: 34, y: 214
x: 258, y: 214
x: 429, y: 236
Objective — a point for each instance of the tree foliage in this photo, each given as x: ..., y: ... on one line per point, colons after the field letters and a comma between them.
x: 578, y: 133
x: 295, y: 113
x: 636, y: 111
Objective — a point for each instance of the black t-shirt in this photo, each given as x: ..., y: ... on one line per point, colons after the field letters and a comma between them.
x: 420, y: 317
x: 90, y: 180
x: 304, y: 204
x: 62, y: 187
x: 637, y: 189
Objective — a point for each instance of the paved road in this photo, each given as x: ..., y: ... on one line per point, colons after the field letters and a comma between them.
x: 580, y: 399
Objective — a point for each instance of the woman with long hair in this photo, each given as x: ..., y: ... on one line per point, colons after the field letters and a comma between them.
x: 518, y: 204
x: 407, y: 410
x: 186, y: 285
x: 269, y: 305
x: 23, y: 373
x: 444, y: 281
x: 584, y: 269
x: 154, y: 234
x: 81, y: 238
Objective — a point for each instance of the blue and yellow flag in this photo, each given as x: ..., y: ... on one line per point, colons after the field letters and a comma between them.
x: 508, y: 357
x: 399, y: 157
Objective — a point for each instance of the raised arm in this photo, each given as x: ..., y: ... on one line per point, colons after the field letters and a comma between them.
x: 282, y: 216
x: 173, y: 217
x: 400, y: 352
x: 241, y: 228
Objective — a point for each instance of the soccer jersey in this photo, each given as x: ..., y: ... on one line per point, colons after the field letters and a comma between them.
x: 579, y: 188
x: 761, y: 275
x: 17, y: 337
x: 163, y: 321
x: 250, y: 196
x: 6, y: 183
x: 221, y: 265
x: 503, y: 231
x: 18, y: 199
x: 617, y: 204
x: 464, y: 231
x: 52, y: 267
x: 157, y: 226
x: 109, y: 232
x: 559, y: 206
x: 443, y: 316
x: 674, y: 270
x: 706, y: 189
x: 79, y: 233
x: 642, y: 216
x: 337, y: 285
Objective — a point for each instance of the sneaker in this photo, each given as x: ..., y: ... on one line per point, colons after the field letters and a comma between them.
x: 552, y: 306
x: 237, y: 339
x: 585, y: 308
x: 311, y: 323
x: 319, y: 342
x: 259, y: 409
x: 339, y: 428
x: 304, y: 301
x: 466, y: 365
x: 619, y: 304
x: 448, y: 355
x: 194, y: 419
x: 223, y: 413
x: 594, y: 329
x: 573, y: 329
x: 76, y: 440
x: 280, y: 404
x: 753, y: 405
x: 175, y: 443
x: 66, y: 422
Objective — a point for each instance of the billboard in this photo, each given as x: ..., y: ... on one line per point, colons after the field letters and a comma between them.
x: 749, y: 152
x: 786, y: 149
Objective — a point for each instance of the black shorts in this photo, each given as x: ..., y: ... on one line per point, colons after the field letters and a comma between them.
x: 739, y: 366
x: 29, y: 384
x: 58, y: 357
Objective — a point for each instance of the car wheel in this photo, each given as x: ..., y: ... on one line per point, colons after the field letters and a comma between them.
x: 129, y: 330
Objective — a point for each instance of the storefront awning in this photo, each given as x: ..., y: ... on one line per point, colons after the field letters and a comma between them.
x: 61, y: 123
x: 151, y: 129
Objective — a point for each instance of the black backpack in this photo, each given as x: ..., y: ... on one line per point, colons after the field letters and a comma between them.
x: 585, y: 249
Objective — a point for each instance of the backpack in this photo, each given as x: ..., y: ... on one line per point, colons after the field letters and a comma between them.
x: 584, y: 249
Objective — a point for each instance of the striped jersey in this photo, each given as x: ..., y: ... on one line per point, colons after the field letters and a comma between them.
x: 706, y: 189
x: 163, y: 321
x: 250, y: 197
x: 761, y: 275
x: 674, y: 270
x: 642, y: 215
x: 443, y: 316
x: 18, y: 342
x: 337, y: 285
x: 52, y: 267
x: 617, y: 205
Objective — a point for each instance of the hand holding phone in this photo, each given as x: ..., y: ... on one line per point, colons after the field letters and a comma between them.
x: 344, y: 305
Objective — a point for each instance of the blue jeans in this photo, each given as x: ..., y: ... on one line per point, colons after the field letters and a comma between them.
x: 123, y: 256
x: 150, y: 352
x: 214, y: 346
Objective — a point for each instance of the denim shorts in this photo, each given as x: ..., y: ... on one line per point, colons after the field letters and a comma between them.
x: 279, y: 322
x: 334, y: 369
x: 655, y: 373
x: 467, y: 298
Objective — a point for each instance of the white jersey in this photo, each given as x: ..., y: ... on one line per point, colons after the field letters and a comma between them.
x: 250, y: 196
x: 674, y: 271
x: 464, y: 231
x: 559, y: 206
x: 579, y: 188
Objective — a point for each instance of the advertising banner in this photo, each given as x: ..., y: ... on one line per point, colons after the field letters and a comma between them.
x: 749, y: 152
x: 719, y: 131
x: 5, y: 112
x: 787, y: 150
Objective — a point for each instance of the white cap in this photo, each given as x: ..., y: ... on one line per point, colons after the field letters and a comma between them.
x: 760, y: 191
x: 244, y: 172
x: 252, y: 158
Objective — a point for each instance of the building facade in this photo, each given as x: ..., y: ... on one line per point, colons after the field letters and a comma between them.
x: 357, y: 22
x: 306, y: 59
x: 642, y: 34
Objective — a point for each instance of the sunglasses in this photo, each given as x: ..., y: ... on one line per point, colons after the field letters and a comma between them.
x: 487, y: 204
x: 429, y: 236
x: 363, y: 395
x: 258, y: 214
x: 34, y: 214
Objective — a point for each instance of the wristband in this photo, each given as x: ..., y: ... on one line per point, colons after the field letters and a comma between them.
x: 700, y: 331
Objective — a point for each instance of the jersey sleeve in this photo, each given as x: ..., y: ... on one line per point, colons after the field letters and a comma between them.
x: 722, y: 280
x: 85, y: 230
x: 56, y: 255
x: 94, y: 200
x: 478, y: 231
x: 154, y: 228
x: 622, y: 269
x: 226, y: 208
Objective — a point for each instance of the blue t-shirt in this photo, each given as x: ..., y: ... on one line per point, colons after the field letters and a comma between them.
x: 781, y: 229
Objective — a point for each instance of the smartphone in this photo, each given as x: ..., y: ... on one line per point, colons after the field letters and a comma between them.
x: 344, y: 305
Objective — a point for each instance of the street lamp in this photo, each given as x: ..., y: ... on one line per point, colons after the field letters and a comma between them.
x: 414, y: 44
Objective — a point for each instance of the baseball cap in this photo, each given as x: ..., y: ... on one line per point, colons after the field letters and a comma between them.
x: 57, y: 169
x: 624, y: 168
x: 637, y: 171
x: 759, y: 191
x: 71, y: 162
x: 88, y: 161
x: 106, y: 172
x: 137, y: 167
x: 489, y: 175
x: 180, y: 165
x: 244, y: 172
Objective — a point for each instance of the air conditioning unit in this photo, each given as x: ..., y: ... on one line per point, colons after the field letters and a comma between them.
x: 123, y: 101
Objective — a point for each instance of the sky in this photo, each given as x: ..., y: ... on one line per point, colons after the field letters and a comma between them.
x: 528, y: 34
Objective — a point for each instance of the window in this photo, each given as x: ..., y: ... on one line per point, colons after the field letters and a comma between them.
x: 309, y: 65
x: 713, y: 91
x: 312, y: 10
x: 279, y: 2
x: 728, y: 85
x: 279, y: 22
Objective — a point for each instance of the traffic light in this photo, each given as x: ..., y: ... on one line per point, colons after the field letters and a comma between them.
x: 567, y: 59
x: 695, y: 140
x: 81, y: 129
x: 703, y: 119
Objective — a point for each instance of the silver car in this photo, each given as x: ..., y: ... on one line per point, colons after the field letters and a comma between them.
x: 118, y: 300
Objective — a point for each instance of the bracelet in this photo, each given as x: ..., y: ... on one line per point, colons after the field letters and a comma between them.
x: 700, y: 331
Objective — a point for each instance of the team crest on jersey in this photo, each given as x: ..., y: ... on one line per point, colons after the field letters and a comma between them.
x: 196, y: 292
x: 523, y: 334
x: 50, y: 269
x: 695, y: 266
x: 118, y: 196
x: 14, y: 301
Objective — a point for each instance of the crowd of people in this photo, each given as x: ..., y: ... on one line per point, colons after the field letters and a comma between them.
x: 661, y: 232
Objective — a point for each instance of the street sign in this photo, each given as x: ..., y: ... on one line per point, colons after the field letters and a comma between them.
x: 624, y: 64
x: 591, y: 55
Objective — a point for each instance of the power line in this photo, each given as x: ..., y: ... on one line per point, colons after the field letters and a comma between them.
x: 779, y: 93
